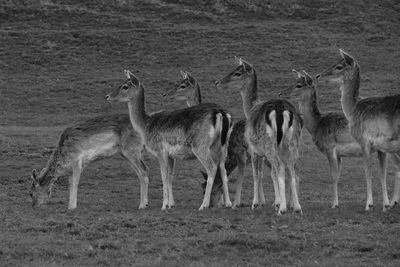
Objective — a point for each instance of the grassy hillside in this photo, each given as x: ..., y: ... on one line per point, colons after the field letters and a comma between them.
x: 58, y: 59
x: 61, y: 57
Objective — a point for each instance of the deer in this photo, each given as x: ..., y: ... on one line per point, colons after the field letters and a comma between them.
x: 374, y: 123
x: 188, y: 90
x: 330, y: 131
x: 201, y: 130
x: 272, y: 130
x: 78, y: 145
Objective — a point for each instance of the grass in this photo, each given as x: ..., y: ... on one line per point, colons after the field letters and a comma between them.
x: 58, y: 60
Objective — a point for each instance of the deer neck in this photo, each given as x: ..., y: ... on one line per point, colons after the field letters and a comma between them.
x: 50, y: 171
x: 137, y: 113
x: 249, y: 93
x: 350, y: 92
x: 196, y: 97
x: 308, y: 106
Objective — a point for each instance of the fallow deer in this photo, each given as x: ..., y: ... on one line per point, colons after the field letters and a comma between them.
x: 374, y: 123
x: 330, y: 131
x: 273, y: 130
x: 201, y: 130
x: 81, y: 144
x: 188, y: 89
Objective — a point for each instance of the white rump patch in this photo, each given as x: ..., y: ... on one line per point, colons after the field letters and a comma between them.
x: 271, y: 131
x: 218, y: 126
x: 211, y: 132
x: 285, y: 125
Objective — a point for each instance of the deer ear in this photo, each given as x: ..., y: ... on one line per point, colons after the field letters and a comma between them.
x: 192, y: 80
x: 205, y: 176
x: 34, y: 176
x: 349, y: 59
x: 308, y: 77
x: 238, y: 60
x: 184, y: 74
x: 133, y: 78
x: 299, y: 75
x: 247, y: 66
x: 128, y: 74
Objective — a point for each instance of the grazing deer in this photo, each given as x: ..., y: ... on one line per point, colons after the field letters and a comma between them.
x: 188, y: 89
x: 374, y: 123
x: 201, y: 130
x: 273, y: 130
x: 330, y: 131
x: 81, y: 144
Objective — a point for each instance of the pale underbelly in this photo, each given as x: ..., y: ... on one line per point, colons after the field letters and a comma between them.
x: 349, y: 150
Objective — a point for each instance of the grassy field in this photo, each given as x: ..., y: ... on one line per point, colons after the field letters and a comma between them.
x: 59, y: 58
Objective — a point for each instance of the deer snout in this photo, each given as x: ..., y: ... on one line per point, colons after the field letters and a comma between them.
x: 108, y: 97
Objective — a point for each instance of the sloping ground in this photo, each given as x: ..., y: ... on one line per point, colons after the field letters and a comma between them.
x: 63, y: 56
x: 59, y: 58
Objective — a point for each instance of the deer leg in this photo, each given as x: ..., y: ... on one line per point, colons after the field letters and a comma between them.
x: 142, y: 172
x: 171, y: 164
x: 274, y: 182
x: 145, y: 182
x: 297, y: 182
x: 164, y: 176
x: 335, y: 172
x: 224, y: 177
x: 368, y: 177
x: 254, y: 163
x: 260, y: 184
x: 382, y: 159
x: 73, y: 184
x: 290, y: 197
x: 396, y: 192
x: 294, y: 186
x: 281, y: 184
x: 274, y: 178
x: 211, y: 169
x: 241, y: 163
x: 222, y: 159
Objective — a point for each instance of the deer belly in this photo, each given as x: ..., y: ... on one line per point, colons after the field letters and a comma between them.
x: 178, y: 150
x: 100, y: 145
x: 351, y: 149
x: 385, y: 144
x: 382, y: 138
x: 256, y: 144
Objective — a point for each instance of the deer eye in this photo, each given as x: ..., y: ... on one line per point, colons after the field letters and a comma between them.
x: 299, y: 85
x: 182, y: 86
x: 237, y: 74
x: 339, y: 67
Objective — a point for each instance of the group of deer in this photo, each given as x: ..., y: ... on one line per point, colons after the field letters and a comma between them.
x: 269, y: 134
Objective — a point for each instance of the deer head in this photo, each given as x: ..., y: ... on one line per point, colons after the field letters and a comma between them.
x: 339, y: 71
x: 304, y: 85
x: 186, y: 87
x: 126, y: 91
x: 217, y: 193
x: 239, y: 76
x: 40, y: 194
